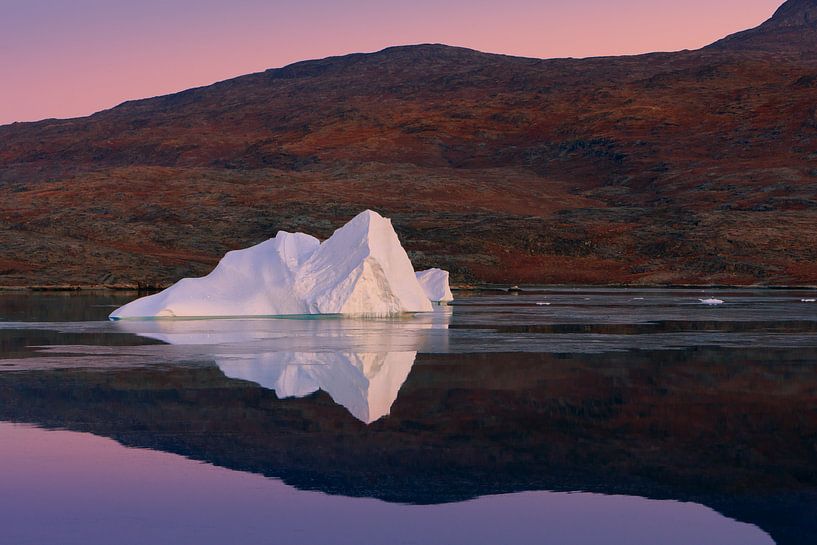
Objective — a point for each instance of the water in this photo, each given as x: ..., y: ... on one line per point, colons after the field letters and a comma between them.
x: 566, y: 416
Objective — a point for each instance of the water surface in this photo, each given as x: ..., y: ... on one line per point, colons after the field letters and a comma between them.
x: 582, y: 416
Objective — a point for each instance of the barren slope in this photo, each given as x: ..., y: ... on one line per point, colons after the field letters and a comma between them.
x: 688, y: 167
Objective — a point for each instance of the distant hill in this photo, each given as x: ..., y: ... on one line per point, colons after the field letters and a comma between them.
x: 695, y: 167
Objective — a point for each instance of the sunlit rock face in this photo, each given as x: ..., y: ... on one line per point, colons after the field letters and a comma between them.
x: 361, y: 270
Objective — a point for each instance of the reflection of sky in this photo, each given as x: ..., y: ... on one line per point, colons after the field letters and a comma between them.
x: 61, y: 59
x: 71, y: 488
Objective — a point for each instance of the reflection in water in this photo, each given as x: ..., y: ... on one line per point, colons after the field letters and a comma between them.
x: 105, y: 494
x: 365, y: 383
x: 364, y: 373
x: 601, y: 392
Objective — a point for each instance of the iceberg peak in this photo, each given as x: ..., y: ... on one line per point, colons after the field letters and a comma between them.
x: 361, y: 270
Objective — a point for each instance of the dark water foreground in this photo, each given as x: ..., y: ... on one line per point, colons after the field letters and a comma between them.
x: 668, y: 421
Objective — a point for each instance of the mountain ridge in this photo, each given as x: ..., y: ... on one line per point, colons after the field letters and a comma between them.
x: 792, y: 13
x: 792, y: 28
x: 795, y: 13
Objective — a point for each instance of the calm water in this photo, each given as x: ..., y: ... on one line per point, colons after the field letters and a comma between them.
x: 551, y: 417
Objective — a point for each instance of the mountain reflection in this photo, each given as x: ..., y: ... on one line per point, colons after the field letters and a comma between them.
x: 730, y: 429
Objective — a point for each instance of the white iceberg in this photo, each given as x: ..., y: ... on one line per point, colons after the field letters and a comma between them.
x: 435, y: 285
x: 361, y: 270
x: 711, y: 302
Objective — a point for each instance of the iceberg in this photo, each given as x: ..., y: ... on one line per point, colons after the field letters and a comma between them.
x: 435, y: 285
x: 361, y: 270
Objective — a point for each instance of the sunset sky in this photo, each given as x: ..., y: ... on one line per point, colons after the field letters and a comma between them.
x: 66, y: 59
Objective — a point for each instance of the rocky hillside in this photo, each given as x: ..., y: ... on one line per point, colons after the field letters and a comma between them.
x: 695, y: 167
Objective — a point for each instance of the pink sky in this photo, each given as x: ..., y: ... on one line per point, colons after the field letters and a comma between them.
x: 66, y: 59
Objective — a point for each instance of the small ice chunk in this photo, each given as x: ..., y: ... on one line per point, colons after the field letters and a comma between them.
x: 809, y: 300
x: 711, y: 302
x: 543, y: 304
x: 435, y: 285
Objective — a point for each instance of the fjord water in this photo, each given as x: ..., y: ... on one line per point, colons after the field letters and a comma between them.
x: 570, y: 416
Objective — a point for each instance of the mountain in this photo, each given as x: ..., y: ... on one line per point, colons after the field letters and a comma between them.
x: 795, y: 13
x: 694, y: 167
x: 793, y: 28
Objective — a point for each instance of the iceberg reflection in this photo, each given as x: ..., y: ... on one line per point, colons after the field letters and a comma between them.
x: 361, y: 364
x: 366, y: 384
